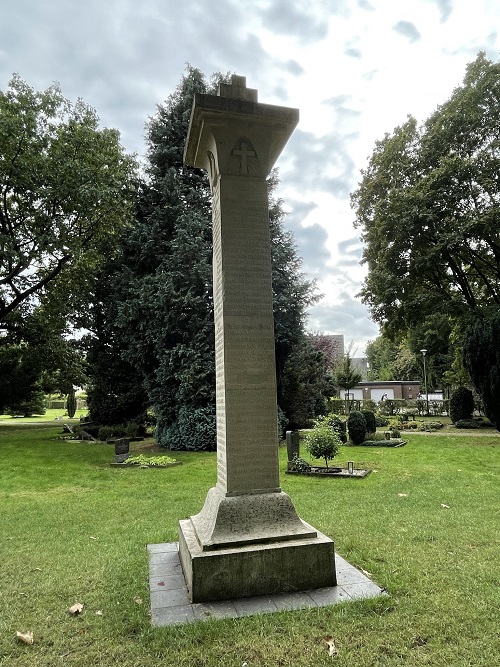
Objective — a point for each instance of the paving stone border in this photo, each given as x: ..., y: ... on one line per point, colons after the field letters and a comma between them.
x: 170, y: 603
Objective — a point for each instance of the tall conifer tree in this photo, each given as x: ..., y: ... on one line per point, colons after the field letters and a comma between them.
x: 160, y: 283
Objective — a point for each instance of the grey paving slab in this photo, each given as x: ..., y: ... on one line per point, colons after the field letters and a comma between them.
x: 257, y: 605
x: 164, y: 558
x: 170, y: 600
x: 206, y: 610
x: 323, y: 597
x: 291, y: 601
x: 166, y: 583
x: 350, y: 575
x: 366, y: 589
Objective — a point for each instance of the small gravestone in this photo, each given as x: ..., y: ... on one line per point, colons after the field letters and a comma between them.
x: 292, y: 446
x: 122, y: 446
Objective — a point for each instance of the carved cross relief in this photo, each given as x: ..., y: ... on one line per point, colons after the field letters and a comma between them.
x: 243, y: 159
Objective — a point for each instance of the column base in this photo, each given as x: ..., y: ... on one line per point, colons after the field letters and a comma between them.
x: 252, y: 545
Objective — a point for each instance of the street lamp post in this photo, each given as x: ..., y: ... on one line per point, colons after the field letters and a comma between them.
x: 425, y: 382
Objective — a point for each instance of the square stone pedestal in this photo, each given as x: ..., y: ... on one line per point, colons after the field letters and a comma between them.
x: 255, y: 569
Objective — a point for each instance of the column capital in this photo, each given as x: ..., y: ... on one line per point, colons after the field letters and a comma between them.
x: 232, y: 133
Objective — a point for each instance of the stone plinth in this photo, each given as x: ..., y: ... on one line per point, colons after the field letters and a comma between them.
x: 248, y: 538
x: 255, y: 569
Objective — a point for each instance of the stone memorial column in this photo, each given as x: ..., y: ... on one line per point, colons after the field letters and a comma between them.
x: 248, y: 538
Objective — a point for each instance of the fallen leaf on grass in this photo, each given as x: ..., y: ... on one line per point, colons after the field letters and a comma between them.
x: 137, y: 600
x: 93, y: 538
x: 403, y: 495
x: 25, y: 637
x: 76, y: 609
x: 332, y: 649
x: 368, y: 574
x: 98, y: 612
x: 445, y: 506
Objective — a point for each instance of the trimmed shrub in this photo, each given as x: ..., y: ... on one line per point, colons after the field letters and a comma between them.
x: 71, y: 404
x: 461, y: 404
x: 322, y: 443
x: 356, y: 425
x: 381, y: 421
x: 467, y: 423
x: 430, y: 426
x: 371, y: 422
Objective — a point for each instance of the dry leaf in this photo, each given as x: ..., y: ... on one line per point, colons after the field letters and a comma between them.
x: 25, y: 637
x: 403, y: 495
x: 445, y: 506
x: 93, y: 538
x: 98, y: 612
x: 137, y: 600
x: 368, y: 574
x: 76, y: 609
x: 332, y: 649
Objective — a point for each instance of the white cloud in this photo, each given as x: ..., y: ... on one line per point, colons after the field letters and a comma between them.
x: 355, y: 71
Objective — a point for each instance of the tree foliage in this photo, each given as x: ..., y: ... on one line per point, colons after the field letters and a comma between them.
x: 158, y: 287
x: 481, y: 356
x: 65, y: 186
x: 346, y: 376
x: 306, y: 384
x: 428, y: 206
x: 461, y: 404
x: 323, y: 442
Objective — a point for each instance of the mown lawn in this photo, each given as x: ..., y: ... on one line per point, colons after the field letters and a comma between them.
x: 425, y: 524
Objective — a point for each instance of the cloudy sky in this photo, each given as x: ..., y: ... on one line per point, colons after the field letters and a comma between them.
x: 354, y: 68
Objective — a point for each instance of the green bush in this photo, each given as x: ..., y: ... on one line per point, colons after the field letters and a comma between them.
x: 356, y: 425
x: 337, y: 405
x: 132, y: 430
x: 71, y: 404
x: 371, y: 422
x: 299, y: 464
x: 194, y: 430
x: 34, y: 405
x: 322, y: 443
x: 461, y: 404
x: 467, y: 423
x: 430, y: 426
x: 336, y: 423
x: 105, y: 433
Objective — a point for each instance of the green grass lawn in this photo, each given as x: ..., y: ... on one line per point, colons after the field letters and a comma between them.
x: 425, y: 524
x: 50, y: 416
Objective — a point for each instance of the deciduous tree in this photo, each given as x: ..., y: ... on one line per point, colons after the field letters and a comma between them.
x: 429, y: 208
x: 65, y: 186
